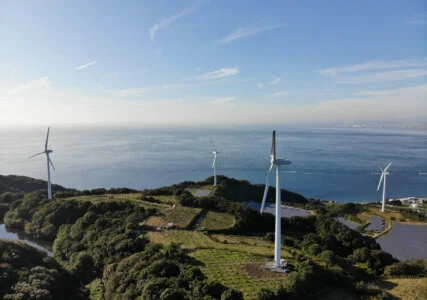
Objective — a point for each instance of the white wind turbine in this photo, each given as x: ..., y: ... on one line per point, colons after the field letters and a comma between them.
x: 49, y: 163
x: 275, y: 163
x: 214, y: 161
x: 383, y: 179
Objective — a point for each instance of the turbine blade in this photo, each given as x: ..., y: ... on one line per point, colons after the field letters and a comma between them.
x: 273, y: 146
x: 265, y: 191
x: 51, y: 163
x: 381, y: 179
x: 213, y: 164
x: 213, y: 146
x: 386, y: 168
x: 47, y: 138
x: 36, y: 154
x: 271, y: 167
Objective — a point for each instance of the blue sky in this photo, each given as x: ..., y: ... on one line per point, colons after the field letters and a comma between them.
x: 204, y: 62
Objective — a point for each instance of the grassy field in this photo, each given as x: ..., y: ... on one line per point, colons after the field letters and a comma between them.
x: 180, y: 216
x: 235, y: 261
x: 406, y: 288
x: 194, y: 240
x: 166, y: 199
x: 217, y: 221
x: 125, y: 197
x: 238, y: 270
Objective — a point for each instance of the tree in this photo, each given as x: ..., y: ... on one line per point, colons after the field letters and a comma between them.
x: 232, y: 294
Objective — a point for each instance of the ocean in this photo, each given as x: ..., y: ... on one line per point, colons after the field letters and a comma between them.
x: 330, y: 163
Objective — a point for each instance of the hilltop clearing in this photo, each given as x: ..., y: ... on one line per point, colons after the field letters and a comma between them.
x: 169, y: 243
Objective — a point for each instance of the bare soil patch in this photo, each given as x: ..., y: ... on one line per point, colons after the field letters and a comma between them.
x: 258, y: 271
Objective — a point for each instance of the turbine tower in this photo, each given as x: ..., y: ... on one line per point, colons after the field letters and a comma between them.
x: 383, y: 179
x: 275, y: 163
x: 49, y: 163
x: 214, y: 161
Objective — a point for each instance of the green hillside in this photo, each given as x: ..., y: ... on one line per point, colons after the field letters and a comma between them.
x: 15, y: 184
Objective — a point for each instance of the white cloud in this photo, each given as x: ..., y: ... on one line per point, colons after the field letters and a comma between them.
x: 385, y: 76
x: 400, y: 105
x: 244, y: 32
x: 223, y: 101
x: 261, y: 86
x: 130, y: 92
x: 85, y: 65
x: 38, y: 84
x: 221, y: 73
x: 275, y: 81
x: 376, y: 93
x: 165, y: 22
x: 279, y: 94
x: 373, y: 65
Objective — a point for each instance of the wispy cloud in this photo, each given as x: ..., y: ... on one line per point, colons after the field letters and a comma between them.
x: 417, y: 19
x: 142, y: 91
x: 275, y: 81
x: 131, y: 92
x: 261, y: 86
x: 244, y: 32
x: 85, y: 65
x: 40, y: 84
x: 221, y: 73
x: 279, y: 94
x: 223, y: 101
x: 385, y: 76
x: 165, y: 22
x: 373, y: 65
x: 376, y: 93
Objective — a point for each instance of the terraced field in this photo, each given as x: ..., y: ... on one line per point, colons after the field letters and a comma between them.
x: 216, y: 221
x: 230, y: 259
x: 180, y: 216
x: 238, y: 270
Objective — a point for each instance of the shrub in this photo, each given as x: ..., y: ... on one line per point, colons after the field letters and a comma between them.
x: 269, y: 236
x: 328, y: 256
x: 314, y: 249
x: 416, y: 267
x: 232, y: 294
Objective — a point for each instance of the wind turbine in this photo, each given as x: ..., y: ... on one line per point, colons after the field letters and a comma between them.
x: 383, y: 177
x: 275, y: 163
x: 214, y: 161
x: 49, y: 163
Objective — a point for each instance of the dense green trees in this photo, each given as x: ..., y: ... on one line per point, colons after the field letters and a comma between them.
x: 27, y: 273
x: 161, y: 273
x: 243, y: 191
x: 14, y: 183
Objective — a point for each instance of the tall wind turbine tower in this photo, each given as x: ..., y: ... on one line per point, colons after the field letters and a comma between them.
x: 49, y: 163
x: 214, y: 161
x: 275, y: 163
x: 383, y: 180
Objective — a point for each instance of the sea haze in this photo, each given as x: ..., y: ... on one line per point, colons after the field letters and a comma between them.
x: 328, y: 163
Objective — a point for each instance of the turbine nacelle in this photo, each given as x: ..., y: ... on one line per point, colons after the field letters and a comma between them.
x: 282, y: 162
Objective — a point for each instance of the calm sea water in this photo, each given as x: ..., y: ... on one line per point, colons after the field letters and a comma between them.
x: 328, y: 163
